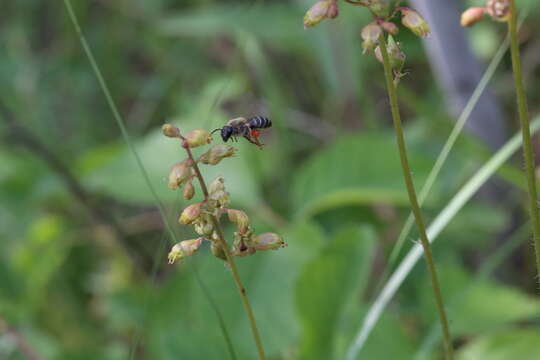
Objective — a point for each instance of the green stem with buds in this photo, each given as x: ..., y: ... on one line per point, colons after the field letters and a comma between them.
x: 392, y: 95
x: 523, y: 112
x: 230, y: 259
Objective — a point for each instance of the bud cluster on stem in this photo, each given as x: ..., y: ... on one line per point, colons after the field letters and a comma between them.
x: 205, y: 215
x: 499, y: 10
x: 378, y: 38
x: 383, y: 12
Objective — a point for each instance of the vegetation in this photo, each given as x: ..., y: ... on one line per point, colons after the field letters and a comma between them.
x: 89, y: 223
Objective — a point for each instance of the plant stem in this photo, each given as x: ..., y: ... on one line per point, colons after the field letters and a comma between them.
x: 392, y: 95
x: 230, y: 260
x: 523, y: 112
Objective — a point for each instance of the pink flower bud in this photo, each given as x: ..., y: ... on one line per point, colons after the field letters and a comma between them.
x: 389, y: 27
x: 216, y: 154
x: 333, y: 10
x: 267, y: 241
x: 179, y: 173
x: 190, y: 213
x: 472, y: 15
x: 415, y: 22
x: 189, y: 190
x: 239, y: 218
x: 183, y: 249
x: 370, y: 34
x: 170, y: 131
x: 317, y: 13
x: 198, y: 137
x: 498, y: 9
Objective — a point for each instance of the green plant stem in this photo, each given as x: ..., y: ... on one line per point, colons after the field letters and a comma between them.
x: 528, y: 154
x: 392, y: 95
x: 230, y: 260
x: 125, y: 135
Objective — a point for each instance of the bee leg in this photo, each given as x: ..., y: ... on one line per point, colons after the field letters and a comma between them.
x: 254, y: 141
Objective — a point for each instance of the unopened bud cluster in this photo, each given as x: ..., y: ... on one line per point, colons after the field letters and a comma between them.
x: 498, y: 10
x: 205, y: 215
x: 384, y: 12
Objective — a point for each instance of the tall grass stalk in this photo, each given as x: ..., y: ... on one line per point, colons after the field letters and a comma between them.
x: 435, y: 228
x: 120, y: 122
x: 528, y: 154
x: 415, y: 207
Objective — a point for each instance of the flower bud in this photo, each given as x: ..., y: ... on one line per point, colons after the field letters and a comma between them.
x: 218, y: 199
x: 381, y: 8
x: 217, y: 251
x: 415, y: 22
x: 389, y: 27
x: 183, y: 249
x: 370, y: 34
x: 472, y: 15
x: 190, y: 214
x: 216, y: 154
x: 240, y: 247
x: 170, y: 131
x: 498, y: 9
x: 217, y: 185
x: 198, y: 137
x: 333, y: 10
x: 318, y: 12
x: 180, y: 172
x: 267, y: 241
x: 395, y: 55
x: 203, y: 226
x: 239, y: 218
x: 189, y: 190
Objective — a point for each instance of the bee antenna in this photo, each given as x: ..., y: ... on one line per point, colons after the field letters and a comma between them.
x: 215, y: 130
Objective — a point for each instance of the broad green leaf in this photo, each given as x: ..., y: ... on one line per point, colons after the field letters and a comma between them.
x: 325, y: 285
x: 357, y: 169
x: 487, y: 306
x: 522, y: 344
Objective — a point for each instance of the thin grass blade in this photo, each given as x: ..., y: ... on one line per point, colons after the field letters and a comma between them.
x: 435, y: 228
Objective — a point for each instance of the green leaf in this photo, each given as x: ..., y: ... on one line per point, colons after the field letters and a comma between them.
x: 522, y: 344
x: 487, y: 306
x: 357, y: 169
x: 278, y: 23
x: 326, y: 284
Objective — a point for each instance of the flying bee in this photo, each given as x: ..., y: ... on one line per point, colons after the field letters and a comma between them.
x: 248, y: 128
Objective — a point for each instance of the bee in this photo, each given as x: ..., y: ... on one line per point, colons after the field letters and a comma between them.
x: 248, y: 128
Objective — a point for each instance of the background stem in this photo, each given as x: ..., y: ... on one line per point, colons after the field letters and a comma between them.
x: 528, y: 154
x: 391, y: 88
x: 230, y: 260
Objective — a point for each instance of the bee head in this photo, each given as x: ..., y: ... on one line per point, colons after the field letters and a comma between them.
x: 226, y: 132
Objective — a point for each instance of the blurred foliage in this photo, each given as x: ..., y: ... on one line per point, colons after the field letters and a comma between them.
x: 327, y: 180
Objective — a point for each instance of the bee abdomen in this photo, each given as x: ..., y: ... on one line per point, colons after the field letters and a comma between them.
x: 259, y: 122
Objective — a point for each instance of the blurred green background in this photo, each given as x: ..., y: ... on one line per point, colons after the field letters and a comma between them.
x: 83, y: 268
